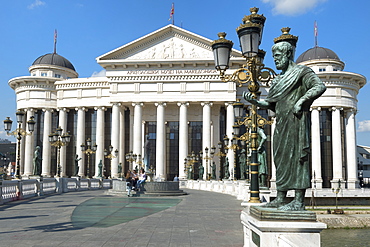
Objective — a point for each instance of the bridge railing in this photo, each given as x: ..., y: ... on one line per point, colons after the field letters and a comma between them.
x: 12, y: 190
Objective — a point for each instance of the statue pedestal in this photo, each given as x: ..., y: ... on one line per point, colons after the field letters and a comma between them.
x: 265, y: 227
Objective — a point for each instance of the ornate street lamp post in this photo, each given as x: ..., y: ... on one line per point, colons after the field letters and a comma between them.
x: 59, y: 139
x: 89, y: 151
x: 189, y: 162
x: 18, y: 133
x: 207, y: 158
x: 109, y: 155
x: 220, y: 154
x: 130, y: 157
x: 251, y: 73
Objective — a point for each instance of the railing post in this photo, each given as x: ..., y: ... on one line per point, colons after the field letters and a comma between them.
x: 59, y: 185
x: 40, y: 187
x: 19, y: 190
x: 1, y: 192
x: 78, y: 183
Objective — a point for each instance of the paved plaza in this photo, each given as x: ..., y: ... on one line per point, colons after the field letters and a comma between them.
x: 93, y: 218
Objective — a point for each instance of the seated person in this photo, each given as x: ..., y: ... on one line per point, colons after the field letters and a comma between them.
x: 135, y: 178
x: 142, y: 178
x: 128, y: 182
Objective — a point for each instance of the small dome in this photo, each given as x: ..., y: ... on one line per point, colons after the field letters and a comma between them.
x: 317, y: 53
x: 54, y: 59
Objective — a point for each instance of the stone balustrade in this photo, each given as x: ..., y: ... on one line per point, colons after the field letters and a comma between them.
x: 11, y: 190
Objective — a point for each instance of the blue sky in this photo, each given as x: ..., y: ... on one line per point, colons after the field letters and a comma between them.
x: 90, y: 28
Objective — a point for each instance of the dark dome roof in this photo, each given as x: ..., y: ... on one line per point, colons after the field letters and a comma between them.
x: 317, y: 53
x: 54, y: 59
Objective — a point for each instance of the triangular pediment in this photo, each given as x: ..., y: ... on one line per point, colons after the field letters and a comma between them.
x: 167, y: 43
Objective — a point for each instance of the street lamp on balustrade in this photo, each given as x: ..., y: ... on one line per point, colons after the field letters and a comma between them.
x: 221, y: 153
x: 251, y: 73
x: 88, y: 150
x: 207, y: 158
x: 18, y: 133
x: 131, y: 157
x: 190, y: 160
x: 109, y: 156
x: 59, y: 139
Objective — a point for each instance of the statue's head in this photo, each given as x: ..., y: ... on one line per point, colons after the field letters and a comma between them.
x: 283, y: 52
x: 37, y: 147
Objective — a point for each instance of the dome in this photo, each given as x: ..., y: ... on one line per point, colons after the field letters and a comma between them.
x: 317, y: 53
x: 54, y: 59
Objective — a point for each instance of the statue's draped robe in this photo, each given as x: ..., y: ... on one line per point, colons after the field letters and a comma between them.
x: 291, y: 141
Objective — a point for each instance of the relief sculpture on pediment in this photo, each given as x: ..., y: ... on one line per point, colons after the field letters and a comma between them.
x: 173, y: 49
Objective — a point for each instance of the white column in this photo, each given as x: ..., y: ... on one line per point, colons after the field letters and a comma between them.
x: 121, y: 150
x: 316, y: 148
x: 46, y: 147
x: 273, y: 167
x: 206, y: 136
x: 336, y: 147
x: 160, y: 142
x: 183, y: 137
x: 81, y: 140
x: 351, y: 150
x: 115, y: 138
x: 137, y: 132
x: 229, y: 132
x: 29, y: 149
x: 99, y: 155
x: 22, y: 149
x: 63, y: 149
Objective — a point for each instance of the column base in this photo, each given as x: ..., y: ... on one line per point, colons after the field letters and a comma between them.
x: 335, y: 183
x: 316, y: 183
x: 352, y: 184
x: 273, y: 183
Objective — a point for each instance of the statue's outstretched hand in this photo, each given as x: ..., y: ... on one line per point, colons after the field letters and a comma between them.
x: 249, y: 97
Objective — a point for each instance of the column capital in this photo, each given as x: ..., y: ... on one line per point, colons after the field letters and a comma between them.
x: 334, y: 108
x: 138, y: 103
x: 47, y: 109
x: 351, y: 110
x: 318, y: 108
x: 229, y: 103
x: 100, y: 108
x: 116, y: 103
x: 81, y: 108
x: 183, y: 103
x: 160, y: 103
x: 206, y: 103
x: 62, y: 109
x: 31, y: 109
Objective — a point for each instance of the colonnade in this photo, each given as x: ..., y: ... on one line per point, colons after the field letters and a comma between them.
x: 136, y: 142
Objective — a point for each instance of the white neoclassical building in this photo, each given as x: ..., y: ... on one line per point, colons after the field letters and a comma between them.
x: 162, y: 89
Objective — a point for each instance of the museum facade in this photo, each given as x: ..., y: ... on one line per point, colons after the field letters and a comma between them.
x: 162, y: 99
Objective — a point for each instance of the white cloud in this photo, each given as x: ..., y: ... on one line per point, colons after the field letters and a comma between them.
x: 292, y: 7
x: 363, y: 126
x: 36, y: 3
x: 99, y: 74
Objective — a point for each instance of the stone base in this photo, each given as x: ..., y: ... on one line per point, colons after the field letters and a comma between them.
x: 274, y: 230
x: 264, y: 213
x: 166, y: 188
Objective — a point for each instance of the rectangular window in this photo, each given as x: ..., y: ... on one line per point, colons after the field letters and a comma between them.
x: 44, y: 74
x: 58, y: 76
